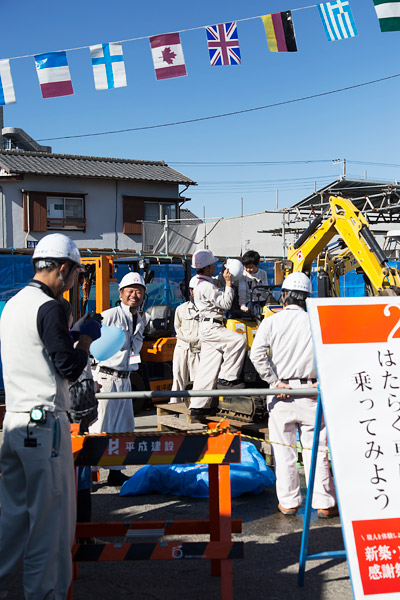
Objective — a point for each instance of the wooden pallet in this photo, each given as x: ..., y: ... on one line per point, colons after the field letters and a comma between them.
x: 176, y: 417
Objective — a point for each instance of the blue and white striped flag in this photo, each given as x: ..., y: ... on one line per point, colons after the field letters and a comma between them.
x: 108, y: 66
x: 7, y: 94
x: 338, y: 20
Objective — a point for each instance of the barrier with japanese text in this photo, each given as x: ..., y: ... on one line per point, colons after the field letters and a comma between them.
x: 216, y: 448
x: 357, y: 346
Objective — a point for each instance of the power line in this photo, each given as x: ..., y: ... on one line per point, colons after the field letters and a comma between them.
x: 222, y: 115
x: 249, y: 163
x: 268, y: 181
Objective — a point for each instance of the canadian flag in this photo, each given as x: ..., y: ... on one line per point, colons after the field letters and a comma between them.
x: 167, y: 56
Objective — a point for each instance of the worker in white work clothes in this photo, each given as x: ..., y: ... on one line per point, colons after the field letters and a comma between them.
x: 282, y: 353
x: 116, y: 416
x: 187, y: 349
x: 37, y: 484
x: 222, y: 351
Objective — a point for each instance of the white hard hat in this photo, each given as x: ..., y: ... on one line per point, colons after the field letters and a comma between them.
x: 193, y: 282
x: 297, y: 282
x: 59, y: 247
x: 203, y: 258
x: 235, y: 267
x: 132, y: 279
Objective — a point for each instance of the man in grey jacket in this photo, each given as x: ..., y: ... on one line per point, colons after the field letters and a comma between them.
x: 187, y: 349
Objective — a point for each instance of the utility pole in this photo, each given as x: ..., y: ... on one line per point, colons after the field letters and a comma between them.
x: 1, y: 128
x: 343, y: 161
x: 166, y: 237
x: 241, y: 231
x: 277, y: 198
x: 205, y: 228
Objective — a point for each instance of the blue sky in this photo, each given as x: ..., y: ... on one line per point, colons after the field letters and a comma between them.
x: 360, y: 125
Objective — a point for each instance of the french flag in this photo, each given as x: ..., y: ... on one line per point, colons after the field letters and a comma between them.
x: 53, y: 73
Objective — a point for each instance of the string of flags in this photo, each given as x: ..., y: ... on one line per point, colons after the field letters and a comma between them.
x: 168, y: 59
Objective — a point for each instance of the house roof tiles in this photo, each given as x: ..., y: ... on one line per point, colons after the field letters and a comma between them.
x: 18, y: 162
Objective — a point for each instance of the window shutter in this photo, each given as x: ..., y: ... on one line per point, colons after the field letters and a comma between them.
x: 36, y: 204
x: 24, y: 211
x: 133, y: 211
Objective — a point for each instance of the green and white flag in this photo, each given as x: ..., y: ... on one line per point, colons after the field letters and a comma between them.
x: 388, y: 13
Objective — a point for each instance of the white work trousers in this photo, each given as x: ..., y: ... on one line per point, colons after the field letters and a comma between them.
x: 38, y: 506
x: 284, y: 418
x: 222, y: 356
x: 114, y: 416
x: 184, y: 368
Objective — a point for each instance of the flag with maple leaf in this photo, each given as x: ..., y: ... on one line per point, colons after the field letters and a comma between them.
x: 223, y: 44
x: 167, y: 56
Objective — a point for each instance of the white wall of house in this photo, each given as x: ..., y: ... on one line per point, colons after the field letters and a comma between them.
x: 103, y: 207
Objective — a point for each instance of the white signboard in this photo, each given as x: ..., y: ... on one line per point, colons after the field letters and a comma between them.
x: 357, y: 346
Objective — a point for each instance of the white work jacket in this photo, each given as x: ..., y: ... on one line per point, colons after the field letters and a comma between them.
x: 282, y: 347
x: 212, y: 301
x: 121, y: 317
x: 186, y: 325
x: 248, y: 282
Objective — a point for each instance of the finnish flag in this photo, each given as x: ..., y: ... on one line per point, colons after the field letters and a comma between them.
x: 7, y: 94
x: 108, y: 66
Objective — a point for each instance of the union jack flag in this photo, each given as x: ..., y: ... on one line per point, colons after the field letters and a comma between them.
x: 223, y: 44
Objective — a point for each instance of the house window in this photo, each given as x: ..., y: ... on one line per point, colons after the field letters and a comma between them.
x: 65, y: 213
x: 157, y: 211
x: 44, y: 211
x: 137, y: 209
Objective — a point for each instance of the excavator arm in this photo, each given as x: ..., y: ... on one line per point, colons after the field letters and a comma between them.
x: 361, y: 248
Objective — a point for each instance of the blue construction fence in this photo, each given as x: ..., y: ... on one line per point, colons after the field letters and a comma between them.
x: 166, y: 287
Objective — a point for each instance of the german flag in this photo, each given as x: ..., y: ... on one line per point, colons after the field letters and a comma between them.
x: 280, y: 32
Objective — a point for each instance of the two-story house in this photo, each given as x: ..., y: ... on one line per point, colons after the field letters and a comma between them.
x: 99, y: 202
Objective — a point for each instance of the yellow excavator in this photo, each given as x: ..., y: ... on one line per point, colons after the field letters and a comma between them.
x: 356, y: 248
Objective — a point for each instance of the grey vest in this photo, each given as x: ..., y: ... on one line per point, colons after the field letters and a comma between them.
x: 30, y: 378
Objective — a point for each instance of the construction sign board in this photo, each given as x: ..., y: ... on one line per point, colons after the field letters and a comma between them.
x: 357, y: 347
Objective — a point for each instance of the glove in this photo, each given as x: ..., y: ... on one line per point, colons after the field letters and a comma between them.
x: 91, y: 328
x: 79, y: 322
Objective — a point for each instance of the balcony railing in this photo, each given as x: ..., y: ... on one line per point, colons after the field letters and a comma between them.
x: 69, y: 224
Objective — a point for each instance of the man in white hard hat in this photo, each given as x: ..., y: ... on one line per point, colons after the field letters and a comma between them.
x: 187, y: 348
x: 222, y: 351
x: 116, y: 416
x: 282, y: 353
x: 37, y: 484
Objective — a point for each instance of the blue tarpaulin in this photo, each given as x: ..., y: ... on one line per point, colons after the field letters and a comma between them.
x: 251, y: 476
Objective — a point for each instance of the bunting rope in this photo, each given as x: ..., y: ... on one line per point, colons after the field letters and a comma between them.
x: 146, y: 37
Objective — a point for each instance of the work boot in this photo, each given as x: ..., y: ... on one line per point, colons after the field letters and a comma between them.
x: 328, y: 513
x: 198, y: 415
x: 223, y: 384
x: 116, y: 478
x: 291, y: 512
